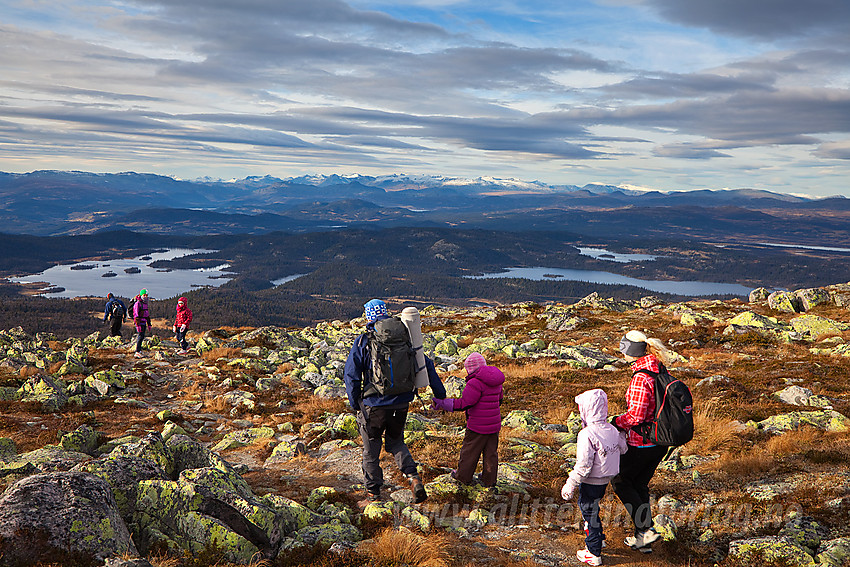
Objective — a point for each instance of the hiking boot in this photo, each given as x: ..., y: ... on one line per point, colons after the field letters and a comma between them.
x: 418, y: 489
x: 139, y: 355
x: 587, y: 557
x: 371, y: 498
x: 643, y: 539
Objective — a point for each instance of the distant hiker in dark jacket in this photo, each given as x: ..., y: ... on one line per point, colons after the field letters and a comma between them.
x: 115, y: 311
x: 141, y: 318
x: 638, y: 465
x: 481, y: 400
x: 382, y: 416
x: 181, y: 324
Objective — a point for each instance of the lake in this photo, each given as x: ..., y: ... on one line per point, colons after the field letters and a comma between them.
x: 687, y: 288
x: 81, y: 282
x: 602, y: 254
x: 283, y: 280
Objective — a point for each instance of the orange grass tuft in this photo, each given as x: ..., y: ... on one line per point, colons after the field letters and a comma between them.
x: 403, y: 547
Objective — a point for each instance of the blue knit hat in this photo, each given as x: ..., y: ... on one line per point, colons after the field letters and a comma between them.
x: 374, y: 309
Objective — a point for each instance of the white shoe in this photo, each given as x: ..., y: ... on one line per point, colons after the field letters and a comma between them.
x: 587, y: 557
x: 643, y: 540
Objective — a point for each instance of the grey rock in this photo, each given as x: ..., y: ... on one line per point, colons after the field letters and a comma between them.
x: 64, y: 514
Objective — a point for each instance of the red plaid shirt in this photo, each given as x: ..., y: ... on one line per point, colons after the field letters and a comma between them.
x: 640, y: 400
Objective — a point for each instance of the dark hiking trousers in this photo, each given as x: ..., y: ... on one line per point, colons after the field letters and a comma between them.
x: 475, y: 445
x: 181, y: 338
x: 632, y: 484
x: 386, y: 424
x: 589, y: 496
x: 139, y: 338
x: 115, y: 326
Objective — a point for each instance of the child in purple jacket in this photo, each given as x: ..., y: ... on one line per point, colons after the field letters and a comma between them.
x: 481, y: 400
x: 598, y: 451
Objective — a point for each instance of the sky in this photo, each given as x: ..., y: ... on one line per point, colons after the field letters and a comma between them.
x: 660, y: 94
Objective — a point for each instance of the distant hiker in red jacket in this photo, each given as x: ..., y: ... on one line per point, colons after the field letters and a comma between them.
x: 481, y: 400
x: 181, y: 323
x: 141, y: 318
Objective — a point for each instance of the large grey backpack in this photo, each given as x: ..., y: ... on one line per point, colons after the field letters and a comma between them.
x: 393, y: 362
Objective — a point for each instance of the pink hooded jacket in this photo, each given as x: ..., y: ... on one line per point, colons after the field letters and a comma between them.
x: 481, y: 398
x: 599, y: 445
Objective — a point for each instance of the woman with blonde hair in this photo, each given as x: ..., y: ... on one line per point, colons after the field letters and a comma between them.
x: 638, y: 464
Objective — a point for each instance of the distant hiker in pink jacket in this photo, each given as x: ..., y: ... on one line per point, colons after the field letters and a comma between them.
x: 481, y: 400
x: 141, y: 318
x: 598, y: 451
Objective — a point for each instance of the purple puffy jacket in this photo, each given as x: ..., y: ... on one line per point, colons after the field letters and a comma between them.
x: 481, y: 399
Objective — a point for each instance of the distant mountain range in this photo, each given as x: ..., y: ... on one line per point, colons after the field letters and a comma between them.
x: 71, y: 202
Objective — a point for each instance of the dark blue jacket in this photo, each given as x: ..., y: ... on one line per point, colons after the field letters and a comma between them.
x: 108, y: 309
x: 358, y: 365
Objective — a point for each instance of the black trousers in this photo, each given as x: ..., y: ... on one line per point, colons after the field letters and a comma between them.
x: 115, y: 327
x: 383, y: 426
x: 632, y: 484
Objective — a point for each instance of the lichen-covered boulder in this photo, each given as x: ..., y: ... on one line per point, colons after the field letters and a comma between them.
x: 295, y: 515
x: 285, y: 451
x: 811, y: 297
x: 123, y: 475
x: 45, y: 389
x: 770, y: 548
x: 330, y: 392
x: 8, y: 449
x: 804, y: 531
x: 784, y: 301
x: 67, y: 515
x: 835, y: 552
x: 328, y: 534
x: 534, y: 345
x: 345, y: 426
x: 209, y: 507
x: 150, y: 447
x: 244, y: 437
x: 794, y: 395
x: 50, y: 458
x: 106, y: 382
x: 563, y: 322
x: 240, y: 398
x: 187, y: 453
x: 695, y: 319
x: 586, y: 357
x: 758, y: 295
x: 827, y: 420
x: 522, y: 419
x: 82, y: 440
x: 170, y: 429
x: 596, y: 301
x: 813, y: 326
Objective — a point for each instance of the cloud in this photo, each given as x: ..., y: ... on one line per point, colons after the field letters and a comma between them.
x: 759, y: 19
x: 834, y: 150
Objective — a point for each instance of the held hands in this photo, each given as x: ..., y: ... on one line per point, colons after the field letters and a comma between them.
x: 445, y: 405
x: 613, y: 421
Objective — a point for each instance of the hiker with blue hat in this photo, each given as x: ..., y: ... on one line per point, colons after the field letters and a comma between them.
x: 380, y: 382
x: 141, y: 319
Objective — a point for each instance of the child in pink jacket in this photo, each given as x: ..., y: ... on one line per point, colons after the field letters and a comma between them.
x: 481, y: 400
x: 598, y: 451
